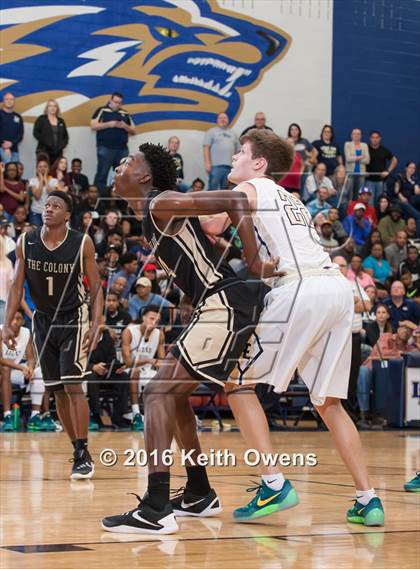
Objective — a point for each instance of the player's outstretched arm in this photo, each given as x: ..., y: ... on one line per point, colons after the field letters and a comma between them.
x: 169, y: 206
x: 91, y: 338
x: 14, y: 297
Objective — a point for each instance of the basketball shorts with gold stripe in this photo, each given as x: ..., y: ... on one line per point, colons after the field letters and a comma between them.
x: 218, y: 335
x: 58, y: 341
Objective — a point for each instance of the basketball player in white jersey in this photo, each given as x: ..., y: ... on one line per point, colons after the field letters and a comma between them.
x: 143, y: 346
x: 306, y: 325
x: 15, y: 372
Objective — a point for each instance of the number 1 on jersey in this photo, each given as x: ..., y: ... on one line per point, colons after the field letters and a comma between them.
x: 50, y: 286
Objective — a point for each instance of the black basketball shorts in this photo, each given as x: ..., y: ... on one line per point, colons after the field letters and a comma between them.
x: 58, y: 342
x: 216, y: 340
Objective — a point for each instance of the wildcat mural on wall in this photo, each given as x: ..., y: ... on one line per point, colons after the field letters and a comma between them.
x: 177, y: 62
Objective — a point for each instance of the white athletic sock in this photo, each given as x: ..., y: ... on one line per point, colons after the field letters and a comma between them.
x: 33, y: 413
x: 7, y: 413
x: 365, y: 496
x: 136, y: 408
x: 274, y: 481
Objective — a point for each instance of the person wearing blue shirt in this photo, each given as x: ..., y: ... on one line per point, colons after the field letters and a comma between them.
x: 144, y: 297
x: 357, y: 227
x: 320, y: 204
x: 130, y: 268
x: 376, y: 265
x: 401, y: 308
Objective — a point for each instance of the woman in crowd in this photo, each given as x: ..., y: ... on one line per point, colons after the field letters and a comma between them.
x: 292, y: 181
x: 109, y: 222
x: 376, y: 265
x: 342, y: 183
x: 39, y: 188
x: 328, y: 152
x: 51, y: 132
x: 380, y: 325
x: 357, y: 156
x: 406, y: 188
x: 59, y: 172
x: 12, y: 190
x: 382, y: 207
x: 374, y: 237
x: 356, y: 272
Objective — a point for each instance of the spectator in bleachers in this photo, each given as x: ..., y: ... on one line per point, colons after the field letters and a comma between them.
x: 292, y: 181
x: 411, y: 230
x: 389, y: 346
x: 382, y: 163
x: 113, y: 126
x: 12, y: 190
x: 319, y: 204
x: 109, y: 223
x: 396, y: 252
x: 150, y: 272
x: 346, y: 250
x: 173, y: 147
x: 356, y: 272
x: 380, y: 325
x: 382, y: 207
x: 326, y: 237
x: 376, y: 265
x: 9, y: 243
x: 78, y: 181
x: 364, y: 197
x: 118, y: 285
x: 112, y: 258
x: 357, y: 157
x: 51, y: 132
x: 91, y: 202
x: 317, y: 180
x: 17, y: 222
x: 21, y: 170
x: 105, y: 371
x: 328, y: 152
x: 260, y: 121
x: 391, y: 224
x: 59, y: 172
x: 220, y: 144
x: 11, y: 130
x: 39, y: 188
x: 116, y: 318
x: 407, y: 192
x: 144, y: 297
x: 403, y: 311
x: 374, y: 237
x: 412, y: 288
x: 86, y: 224
x: 343, y: 185
x: 412, y: 262
x: 129, y: 270
x: 372, y: 293
x: 356, y: 226
x: 197, y: 185
x: 302, y: 145
x: 338, y: 229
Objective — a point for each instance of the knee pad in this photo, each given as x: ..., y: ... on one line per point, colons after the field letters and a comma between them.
x: 37, y: 390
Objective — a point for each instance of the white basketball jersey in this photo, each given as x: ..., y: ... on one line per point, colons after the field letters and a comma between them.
x: 21, y: 344
x: 284, y: 228
x: 141, y: 348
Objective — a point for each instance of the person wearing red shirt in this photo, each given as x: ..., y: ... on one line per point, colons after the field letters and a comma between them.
x: 292, y: 181
x: 365, y: 195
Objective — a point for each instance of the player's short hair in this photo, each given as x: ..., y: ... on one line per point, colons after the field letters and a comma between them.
x: 276, y: 150
x: 162, y: 166
x: 149, y: 308
x: 63, y: 196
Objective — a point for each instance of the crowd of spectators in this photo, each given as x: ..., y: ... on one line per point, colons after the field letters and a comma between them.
x: 364, y: 206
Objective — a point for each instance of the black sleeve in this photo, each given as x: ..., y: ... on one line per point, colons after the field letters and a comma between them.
x: 37, y: 130
x: 389, y: 155
x: 19, y: 131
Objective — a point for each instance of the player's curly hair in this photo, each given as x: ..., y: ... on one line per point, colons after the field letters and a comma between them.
x: 161, y: 164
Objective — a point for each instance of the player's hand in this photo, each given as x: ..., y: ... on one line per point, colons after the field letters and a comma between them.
x: 28, y: 372
x: 91, y: 338
x: 8, y: 337
x: 120, y: 370
x: 266, y: 269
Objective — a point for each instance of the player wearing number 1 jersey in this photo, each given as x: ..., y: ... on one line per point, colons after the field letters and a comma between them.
x: 54, y: 259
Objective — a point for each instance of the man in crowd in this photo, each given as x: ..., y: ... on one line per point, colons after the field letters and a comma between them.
x: 390, y: 224
x: 396, y: 252
x: 259, y: 122
x: 319, y: 204
x: 116, y: 318
x: 173, y: 147
x: 79, y: 182
x: 356, y: 226
x: 403, y: 311
x: 11, y: 130
x: 112, y: 125
x: 326, y: 237
x: 144, y: 296
x: 220, y: 144
x: 365, y: 195
x: 129, y: 270
x: 382, y: 163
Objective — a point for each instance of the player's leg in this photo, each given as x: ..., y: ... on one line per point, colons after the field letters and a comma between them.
x: 137, y: 421
x: 198, y: 499
x: 37, y: 391
x: 6, y: 397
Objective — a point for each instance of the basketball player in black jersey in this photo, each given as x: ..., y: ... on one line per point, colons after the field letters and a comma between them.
x: 226, y: 313
x: 54, y: 259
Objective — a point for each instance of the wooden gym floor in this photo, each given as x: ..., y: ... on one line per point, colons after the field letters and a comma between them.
x: 48, y: 522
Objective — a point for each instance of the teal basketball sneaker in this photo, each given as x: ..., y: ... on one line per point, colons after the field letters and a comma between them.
x: 414, y: 484
x: 267, y: 501
x: 370, y: 515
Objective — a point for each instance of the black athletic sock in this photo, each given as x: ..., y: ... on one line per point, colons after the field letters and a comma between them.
x: 198, y: 482
x: 81, y: 444
x: 74, y: 444
x: 158, y: 490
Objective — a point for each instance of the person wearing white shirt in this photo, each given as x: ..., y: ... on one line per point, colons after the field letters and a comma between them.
x: 39, y: 187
